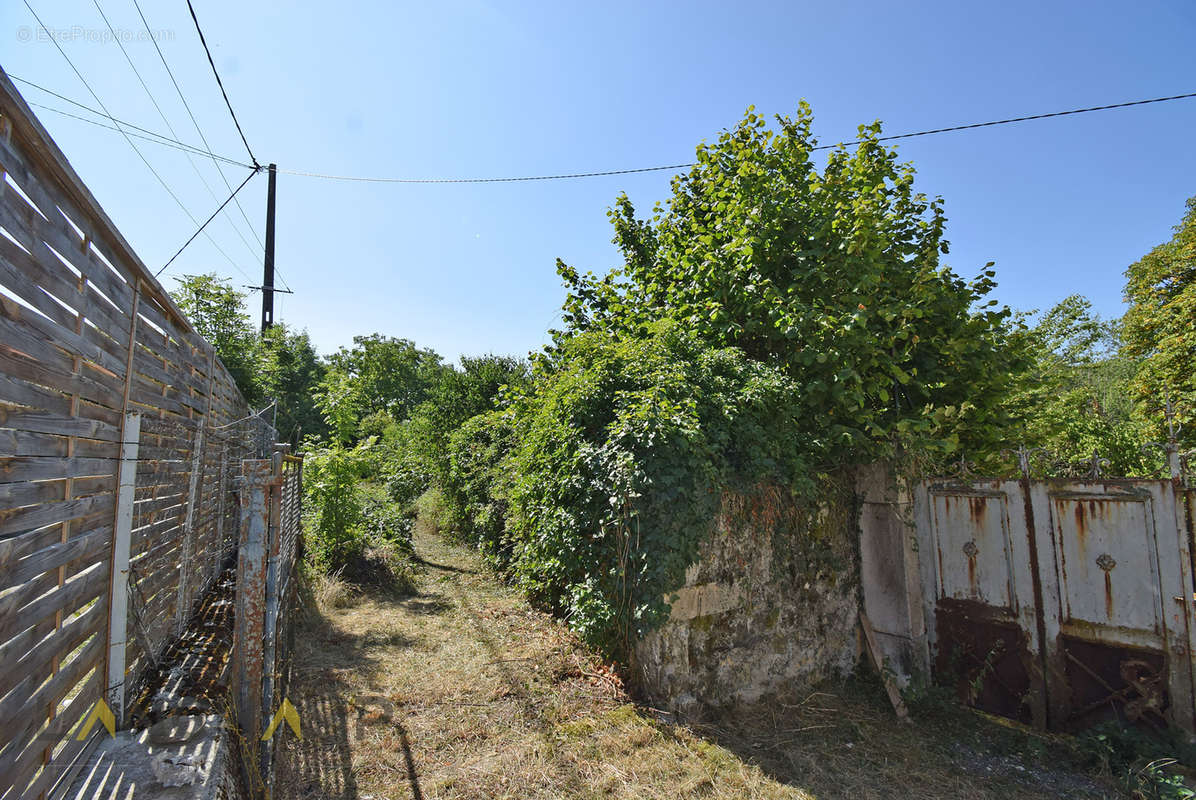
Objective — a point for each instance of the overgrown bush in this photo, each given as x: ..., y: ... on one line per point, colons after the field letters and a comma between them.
x: 476, y: 486
x: 334, y: 512
x: 617, y: 469
x: 355, y: 529
x: 1139, y: 758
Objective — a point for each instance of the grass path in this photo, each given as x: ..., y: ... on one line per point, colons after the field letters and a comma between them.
x: 463, y: 691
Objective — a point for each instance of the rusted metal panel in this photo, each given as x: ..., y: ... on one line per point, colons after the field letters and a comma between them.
x: 1095, y: 578
x: 986, y: 588
x: 987, y: 657
x: 1107, y: 559
x: 972, y: 546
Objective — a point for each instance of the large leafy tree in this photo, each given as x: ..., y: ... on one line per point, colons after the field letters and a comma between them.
x: 834, y: 274
x: 387, y: 374
x: 288, y: 370
x: 217, y: 311
x: 1160, y: 328
x: 279, y: 365
x: 1075, y: 398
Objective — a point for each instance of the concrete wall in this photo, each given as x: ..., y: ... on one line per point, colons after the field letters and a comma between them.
x: 771, y: 604
x: 890, y: 578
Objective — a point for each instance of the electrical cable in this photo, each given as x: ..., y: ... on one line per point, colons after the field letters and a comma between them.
x: 220, y: 83
x: 564, y: 176
x: 182, y: 97
x: 164, y: 143
x: 205, y: 224
x: 170, y: 127
x: 166, y: 139
x: 128, y: 139
x: 373, y: 179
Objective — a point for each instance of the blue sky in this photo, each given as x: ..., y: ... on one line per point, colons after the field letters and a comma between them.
x: 465, y: 88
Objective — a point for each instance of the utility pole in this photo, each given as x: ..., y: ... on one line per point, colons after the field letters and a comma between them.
x: 268, y: 266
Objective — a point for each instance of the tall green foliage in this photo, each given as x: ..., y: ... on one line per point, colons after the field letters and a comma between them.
x: 334, y: 510
x: 463, y: 393
x: 288, y: 368
x: 217, y: 311
x: 832, y: 274
x: 617, y: 466
x: 387, y: 374
x: 1075, y: 400
x: 280, y: 364
x: 1160, y: 329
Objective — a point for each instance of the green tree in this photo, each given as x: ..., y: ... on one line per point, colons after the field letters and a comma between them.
x: 463, y: 393
x: 288, y: 370
x: 217, y: 311
x: 616, y: 465
x: 832, y: 274
x: 1160, y: 329
x: 1076, y: 398
x: 388, y: 374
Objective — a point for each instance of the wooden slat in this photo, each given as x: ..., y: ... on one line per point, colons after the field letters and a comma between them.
x: 61, y: 425
x: 21, y: 520
x: 36, y: 468
x: 89, y: 547
x: 31, y: 655
x: 19, y: 610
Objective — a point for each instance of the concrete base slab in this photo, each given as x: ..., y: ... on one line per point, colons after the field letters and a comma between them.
x: 181, y: 758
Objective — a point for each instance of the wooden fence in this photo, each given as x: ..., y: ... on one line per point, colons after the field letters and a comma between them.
x: 101, y: 554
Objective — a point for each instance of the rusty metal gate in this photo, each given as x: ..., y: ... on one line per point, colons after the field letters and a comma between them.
x: 1061, y: 602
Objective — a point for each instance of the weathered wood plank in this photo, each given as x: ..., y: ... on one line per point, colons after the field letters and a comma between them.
x: 39, y: 422
x: 17, y: 612
x: 88, y: 548
x: 21, y: 520
x: 36, y: 468
x: 29, y: 443
x: 32, y: 656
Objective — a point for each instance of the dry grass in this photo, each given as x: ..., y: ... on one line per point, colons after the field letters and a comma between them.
x: 462, y: 691
x: 331, y: 592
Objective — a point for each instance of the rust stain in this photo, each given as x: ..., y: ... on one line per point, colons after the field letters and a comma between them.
x: 972, y: 574
x: 942, y: 579
x: 1108, y: 595
x: 976, y: 507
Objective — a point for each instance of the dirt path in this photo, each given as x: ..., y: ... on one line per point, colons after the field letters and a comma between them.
x: 464, y: 691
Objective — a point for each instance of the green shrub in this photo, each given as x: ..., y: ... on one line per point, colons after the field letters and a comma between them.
x: 617, y: 467
x: 475, y: 487
x: 432, y: 513
x: 334, y: 511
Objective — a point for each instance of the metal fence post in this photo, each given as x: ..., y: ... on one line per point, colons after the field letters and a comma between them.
x: 272, y: 608
x: 122, y: 538
x: 183, y: 603
x: 248, y: 637
x: 218, y: 550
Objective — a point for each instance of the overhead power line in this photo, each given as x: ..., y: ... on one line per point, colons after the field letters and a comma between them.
x: 220, y: 83
x: 159, y: 138
x: 129, y: 139
x: 150, y: 139
x: 183, y: 98
x: 205, y: 224
x: 565, y: 176
x: 377, y: 179
x: 169, y: 127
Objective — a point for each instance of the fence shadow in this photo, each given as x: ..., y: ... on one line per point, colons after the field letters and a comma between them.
x: 320, y: 765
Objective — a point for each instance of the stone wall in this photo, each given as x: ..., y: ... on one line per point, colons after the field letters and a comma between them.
x: 771, y: 605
